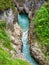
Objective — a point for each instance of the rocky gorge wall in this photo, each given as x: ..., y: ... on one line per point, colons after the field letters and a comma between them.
x: 35, y: 49
x: 28, y: 7
x: 15, y: 33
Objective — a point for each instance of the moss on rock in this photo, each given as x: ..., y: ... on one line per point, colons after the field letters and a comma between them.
x: 5, y: 4
x: 5, y: 59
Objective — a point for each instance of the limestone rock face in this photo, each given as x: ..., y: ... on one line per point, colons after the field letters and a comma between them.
x: 38, y: 55
x: 16, y: 36
x: 29, y: 6
x: 15, y: 33
x: 35, y: 49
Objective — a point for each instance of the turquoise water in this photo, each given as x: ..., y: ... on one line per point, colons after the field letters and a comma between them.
x: 24, y: 23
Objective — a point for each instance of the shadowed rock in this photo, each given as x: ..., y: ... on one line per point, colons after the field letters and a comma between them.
x: 28, y: 6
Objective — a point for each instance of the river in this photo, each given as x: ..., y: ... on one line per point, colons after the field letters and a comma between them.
x: 23, y: 21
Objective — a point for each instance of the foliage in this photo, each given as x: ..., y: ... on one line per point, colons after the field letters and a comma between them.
x: 47, y: 6
x: 4, y: 37
x: 5, y: 59
x: 5, y: 4
x: 42, y: 25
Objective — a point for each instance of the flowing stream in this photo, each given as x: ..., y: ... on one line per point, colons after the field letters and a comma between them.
x: 24, y: 23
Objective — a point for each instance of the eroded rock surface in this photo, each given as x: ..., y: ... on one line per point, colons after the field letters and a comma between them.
x: 16, y: 36
x: 28, y: 6
x: 35, y: 49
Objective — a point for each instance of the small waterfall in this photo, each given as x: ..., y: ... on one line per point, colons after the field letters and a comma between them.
x: 24, y: 23
x: 25, y: 48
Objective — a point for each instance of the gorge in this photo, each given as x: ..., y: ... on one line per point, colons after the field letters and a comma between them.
x: 24, y: 23
x: 24, y: 32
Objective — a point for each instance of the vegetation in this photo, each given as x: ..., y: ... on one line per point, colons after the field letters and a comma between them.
x: 5, y: 4
x: 42, y: 25
x: 4, y: 36
x: 5, y: 59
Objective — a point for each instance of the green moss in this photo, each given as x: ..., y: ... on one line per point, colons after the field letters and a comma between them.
x: 22, y: 62
x: 4, y: 36
x: 5, y: 59
x: 42, y: 25
x: 5, y: 4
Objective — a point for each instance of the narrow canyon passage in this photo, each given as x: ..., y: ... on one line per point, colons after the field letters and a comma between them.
x: 24, y: 23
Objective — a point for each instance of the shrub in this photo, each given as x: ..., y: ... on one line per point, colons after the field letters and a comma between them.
x: 42, y: 25
x: 4, y: 36
x: 5, y: 4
